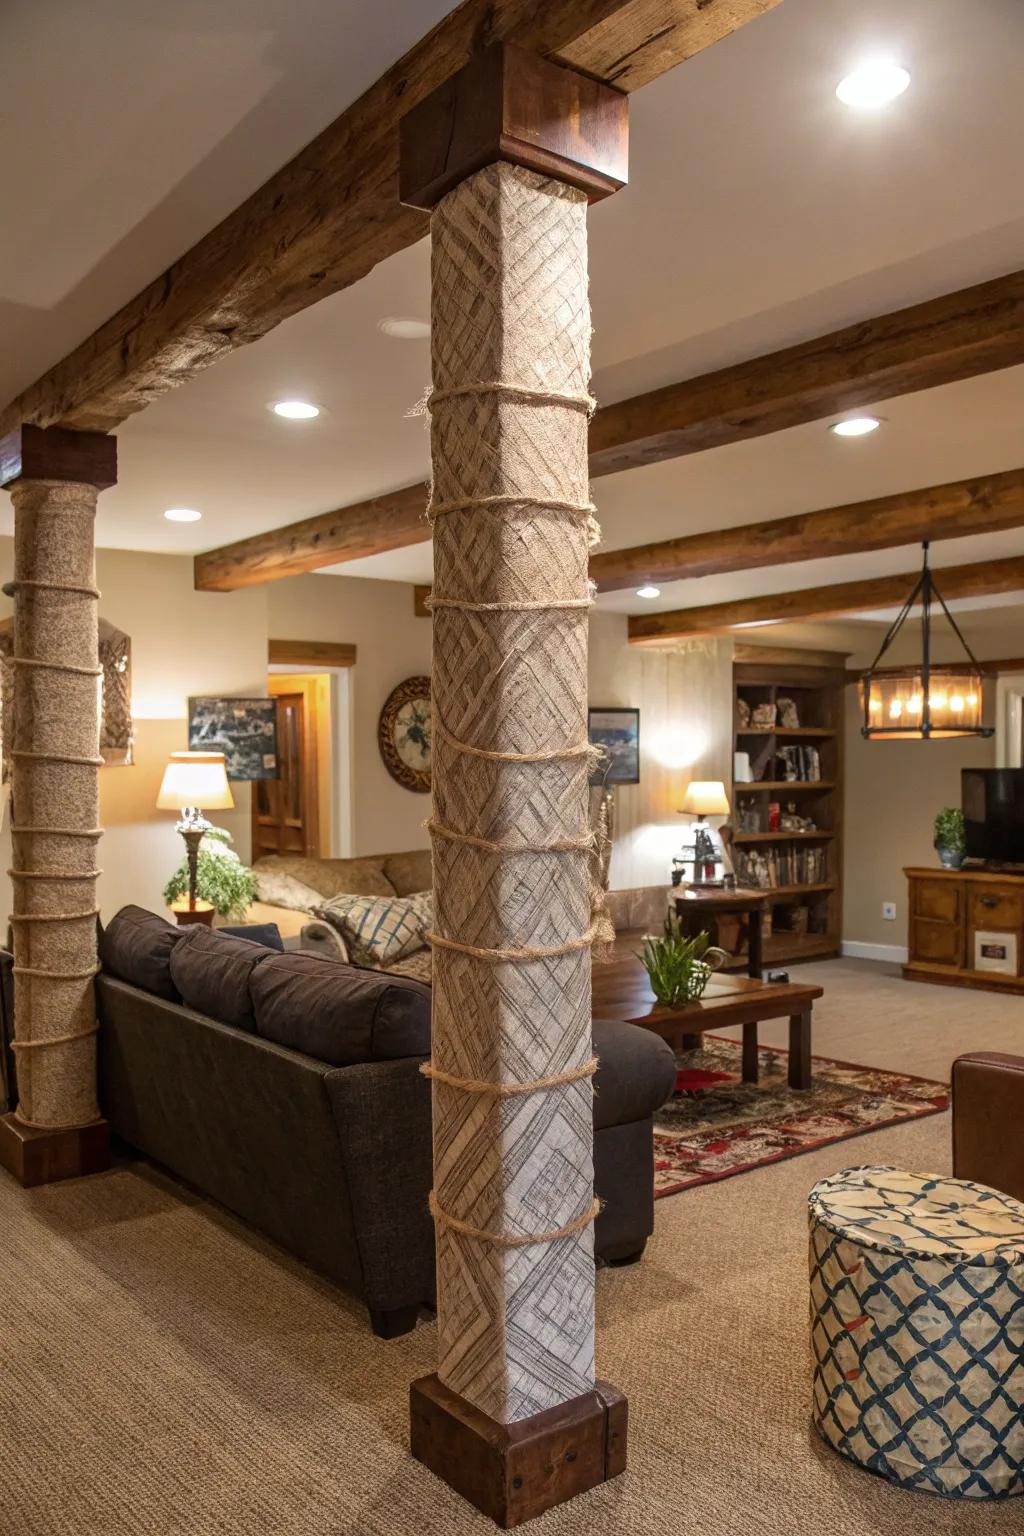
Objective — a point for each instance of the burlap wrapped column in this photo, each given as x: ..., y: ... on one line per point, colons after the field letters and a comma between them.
x: 54, y: 758
x: 509, y: 410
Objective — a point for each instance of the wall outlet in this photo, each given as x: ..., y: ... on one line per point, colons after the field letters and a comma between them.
x: 889, y: 911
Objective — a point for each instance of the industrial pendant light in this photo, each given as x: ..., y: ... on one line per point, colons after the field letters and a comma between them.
x: 923, y: 702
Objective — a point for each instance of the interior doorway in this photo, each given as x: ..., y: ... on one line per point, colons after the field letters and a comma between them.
x: 286, y: 811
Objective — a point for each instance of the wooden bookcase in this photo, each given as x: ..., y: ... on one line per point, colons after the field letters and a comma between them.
x: 805, y: 867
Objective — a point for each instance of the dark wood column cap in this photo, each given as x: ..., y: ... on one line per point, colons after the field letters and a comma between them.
x: 509, y: 104
x: 58, y: 453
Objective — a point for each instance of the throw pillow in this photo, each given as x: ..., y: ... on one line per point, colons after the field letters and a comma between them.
x: 279, y: 889
x: 379, y: 929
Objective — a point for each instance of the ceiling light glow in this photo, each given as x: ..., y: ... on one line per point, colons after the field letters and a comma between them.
x: 182, y: 515
x: 295, y: 410
x: 855, y: 426
x: 647, y: 590
x: 873, y: 84
x: 404, y: 328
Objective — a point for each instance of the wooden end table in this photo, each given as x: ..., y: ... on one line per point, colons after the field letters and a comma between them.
x: 698, y: 908
x: 621, y: 991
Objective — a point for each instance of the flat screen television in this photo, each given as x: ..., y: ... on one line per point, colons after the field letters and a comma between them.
x: 993, y: 806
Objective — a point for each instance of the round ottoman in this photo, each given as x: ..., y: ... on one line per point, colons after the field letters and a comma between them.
x: 917, y: 1329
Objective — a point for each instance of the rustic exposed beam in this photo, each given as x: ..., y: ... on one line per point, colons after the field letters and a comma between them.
x: 310, y: 653
x: 985, y: 505
x: 850, y: 597
x: 368, y: 528
x: 744, y: 654
x: 332, y: 213
x: 956, y: 336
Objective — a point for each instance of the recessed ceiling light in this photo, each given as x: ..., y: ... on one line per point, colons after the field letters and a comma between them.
x: 182, y: 515
x: 855, y: 426
x: 295, y: 410
x: 402, y: 328
x: 647, y: 590
x: 874, y: 84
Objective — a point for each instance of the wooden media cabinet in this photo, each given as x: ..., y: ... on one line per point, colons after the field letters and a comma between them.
x: 948, y: 909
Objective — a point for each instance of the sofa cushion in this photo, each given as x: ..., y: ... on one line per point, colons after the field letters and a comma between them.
x: 410, y: 872
x: 636, y: 1075
x: 378, y: 930
x: 212, y: 971
x: 338, y: 1013
x: 136, y: 946
x: 279, y: 889
x: 266, y: 933
x: 360, y: 877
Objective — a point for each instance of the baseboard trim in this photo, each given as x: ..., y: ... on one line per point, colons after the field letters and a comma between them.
x: 893, y: 954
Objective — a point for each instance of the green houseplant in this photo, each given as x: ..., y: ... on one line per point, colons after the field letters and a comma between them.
x: 679, y: 968
x: 950, y: 839
x: 221, y: 877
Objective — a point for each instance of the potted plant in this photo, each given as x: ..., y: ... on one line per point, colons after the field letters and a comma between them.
x: 950, y: 840
x: 221, y: 877
x: 679, y: 968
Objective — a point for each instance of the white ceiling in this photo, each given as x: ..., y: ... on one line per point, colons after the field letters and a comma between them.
x: 760, y: 211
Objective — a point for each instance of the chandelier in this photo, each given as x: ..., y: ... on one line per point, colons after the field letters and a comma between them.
x: 923, y: 702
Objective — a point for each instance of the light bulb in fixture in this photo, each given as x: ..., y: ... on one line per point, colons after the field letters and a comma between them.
x: 404, y: 328
x: 873, y: 84
x: 647, y: 590
x: 855, y: 426
x: 182, y: 515
x: 295, y: 410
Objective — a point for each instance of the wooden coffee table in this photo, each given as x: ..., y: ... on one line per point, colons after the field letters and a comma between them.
x: 622, y: 991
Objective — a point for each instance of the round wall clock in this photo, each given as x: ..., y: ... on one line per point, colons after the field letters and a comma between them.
x: 403, y: 733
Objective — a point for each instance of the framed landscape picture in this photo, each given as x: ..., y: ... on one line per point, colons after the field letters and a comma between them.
x: 617, y: 733
x: 245, y: 730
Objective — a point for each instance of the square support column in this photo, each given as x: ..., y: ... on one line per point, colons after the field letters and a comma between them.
x: 54, y: 477
x: 510, y: 150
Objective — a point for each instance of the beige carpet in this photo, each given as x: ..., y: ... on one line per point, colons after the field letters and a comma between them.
x: 162, y: 1371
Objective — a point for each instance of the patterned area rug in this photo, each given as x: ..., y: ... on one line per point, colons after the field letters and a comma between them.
x: 716, y: 1125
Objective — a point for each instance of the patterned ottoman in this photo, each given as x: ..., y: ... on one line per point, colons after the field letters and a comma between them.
x: 917, y: 1329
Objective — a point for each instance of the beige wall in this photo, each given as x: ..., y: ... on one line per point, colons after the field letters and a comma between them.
x: 392, y: 644
x: 685, y: 702
x: 893, y: 791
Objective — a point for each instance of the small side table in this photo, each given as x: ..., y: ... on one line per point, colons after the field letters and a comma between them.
x: 699, y: 909
x: 202, y: 912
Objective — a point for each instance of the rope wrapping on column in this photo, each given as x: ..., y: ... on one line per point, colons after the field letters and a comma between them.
x: 54, y: 761
x: 512, y: 523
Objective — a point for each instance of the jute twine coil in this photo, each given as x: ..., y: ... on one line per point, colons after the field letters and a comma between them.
x: 54, y: 754
x: 512, y: 523
x: 510, y: 1239
x: 511, y: 1090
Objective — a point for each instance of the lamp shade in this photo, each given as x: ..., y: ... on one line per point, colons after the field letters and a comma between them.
x: 706, y: 797
x: 195, y: 778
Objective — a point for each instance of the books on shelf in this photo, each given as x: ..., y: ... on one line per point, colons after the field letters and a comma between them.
x: 800, y: 763
x: 784, y: 864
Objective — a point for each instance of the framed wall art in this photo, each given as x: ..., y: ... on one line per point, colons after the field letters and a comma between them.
x: 245, y: 730
x: 617, y: 733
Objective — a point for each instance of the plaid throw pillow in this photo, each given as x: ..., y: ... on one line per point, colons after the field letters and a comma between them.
x: 379, y: 929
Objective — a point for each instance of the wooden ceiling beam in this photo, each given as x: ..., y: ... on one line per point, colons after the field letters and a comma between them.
x: 845, y: 598
x: 332, y: 213
x: 372, y: 527
x: 988, y: 504
x: 956, y: 336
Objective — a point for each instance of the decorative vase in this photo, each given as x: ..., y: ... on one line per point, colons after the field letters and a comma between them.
x: 951, y: 858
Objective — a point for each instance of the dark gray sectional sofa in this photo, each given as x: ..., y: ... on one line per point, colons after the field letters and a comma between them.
x: 287, y: 1087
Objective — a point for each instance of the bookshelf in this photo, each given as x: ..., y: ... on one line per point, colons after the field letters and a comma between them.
x: 799, y: 866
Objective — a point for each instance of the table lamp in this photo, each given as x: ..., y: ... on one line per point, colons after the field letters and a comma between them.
x: 704, y: 797
x: 192, y: 779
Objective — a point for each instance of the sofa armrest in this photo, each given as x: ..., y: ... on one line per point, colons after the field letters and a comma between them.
x: 635, y: 1076
x: 988, y: 1117
x: 319, y: 938
x: 383, y: 1118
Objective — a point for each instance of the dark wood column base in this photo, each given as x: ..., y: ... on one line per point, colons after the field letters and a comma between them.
x: 514, y: 1472
x: 41, y: 1157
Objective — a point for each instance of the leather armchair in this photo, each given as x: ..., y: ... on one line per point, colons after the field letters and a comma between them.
x: 988, y: 1120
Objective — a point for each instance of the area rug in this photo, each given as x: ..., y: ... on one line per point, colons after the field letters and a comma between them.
x: 715, y: 1125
